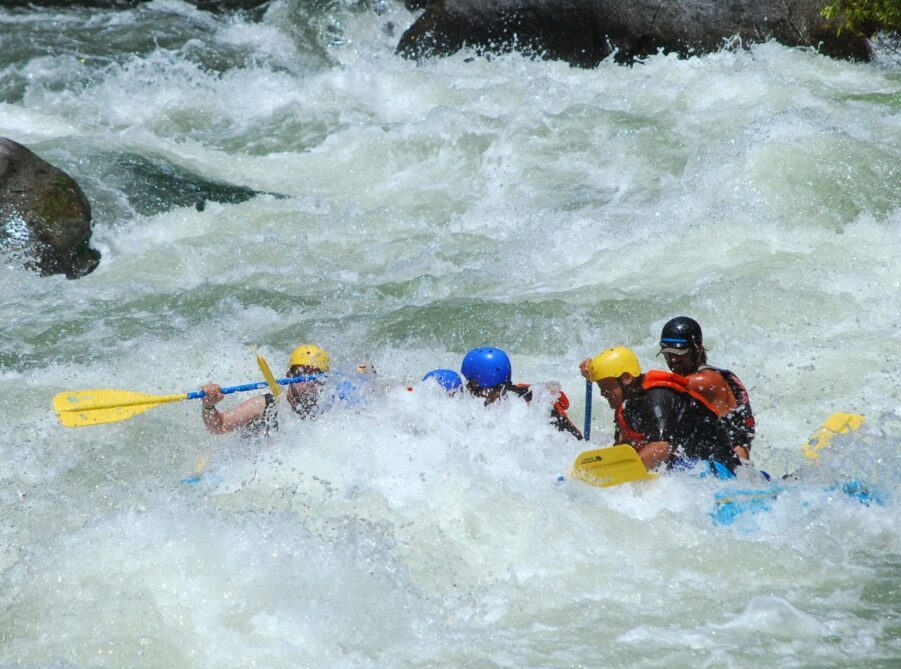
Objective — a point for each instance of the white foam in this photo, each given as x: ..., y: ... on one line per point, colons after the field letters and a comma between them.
x: 430, y: 208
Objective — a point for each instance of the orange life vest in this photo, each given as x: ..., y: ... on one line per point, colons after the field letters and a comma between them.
x: 657, y: 378
x: 625, y: 433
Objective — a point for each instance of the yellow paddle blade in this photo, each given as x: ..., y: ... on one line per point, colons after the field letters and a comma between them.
x: 605, y: 467
x: 200, y: 467
x: 267, y: 374
x: 837, y: 423
x: 79, y: 408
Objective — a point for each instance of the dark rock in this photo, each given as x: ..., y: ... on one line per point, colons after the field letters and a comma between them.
x: 584, y: 32
x: 229, y: 5
x: 99, y: 4
x: 45, y: 218
x: 207, y: 5
x: 153, y: 185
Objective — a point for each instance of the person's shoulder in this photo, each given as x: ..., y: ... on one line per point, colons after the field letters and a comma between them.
x: 253, y: 408
x: 705, y: 374
x: 705, y: 380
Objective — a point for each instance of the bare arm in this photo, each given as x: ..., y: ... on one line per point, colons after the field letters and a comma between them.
x: 714, y: 389
x: 220, y: 422
x: 654, y: 453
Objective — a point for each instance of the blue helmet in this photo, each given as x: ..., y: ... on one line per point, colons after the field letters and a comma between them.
x: 446, y: 378
x: 488, y: 367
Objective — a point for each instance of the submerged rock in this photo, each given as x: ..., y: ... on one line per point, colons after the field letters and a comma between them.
x: 45, y: 218
x: 584, y: 32
x: 153, y: 185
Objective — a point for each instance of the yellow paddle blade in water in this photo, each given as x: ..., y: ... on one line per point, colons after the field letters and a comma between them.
x: 267, y: 374
x: 837, y: 423
x: 105, y: 405
x: 605, y: 467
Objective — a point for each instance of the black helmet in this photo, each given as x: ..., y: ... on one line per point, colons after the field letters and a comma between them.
x: 681, y: 333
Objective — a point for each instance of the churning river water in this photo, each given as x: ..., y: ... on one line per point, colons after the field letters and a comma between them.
x: 402, y: 213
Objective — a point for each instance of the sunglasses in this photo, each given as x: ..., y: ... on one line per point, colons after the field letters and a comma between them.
x: 675, y: 351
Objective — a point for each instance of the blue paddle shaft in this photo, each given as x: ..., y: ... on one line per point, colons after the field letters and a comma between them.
x: 587, y: 431
x: 199, y: 394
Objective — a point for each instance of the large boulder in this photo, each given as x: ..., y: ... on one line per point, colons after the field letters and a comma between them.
x: 210, y: 5
x: 584, y: 32
x: 45, y: 218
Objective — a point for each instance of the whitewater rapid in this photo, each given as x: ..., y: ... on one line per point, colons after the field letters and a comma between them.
x: 406, y: 213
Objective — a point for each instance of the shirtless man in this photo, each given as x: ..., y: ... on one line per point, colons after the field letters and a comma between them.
x: 258, y: 415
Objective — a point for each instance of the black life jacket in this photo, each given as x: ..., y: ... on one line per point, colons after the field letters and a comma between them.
x: 655, y: 378
x: 711, y: 443
x: 740, y: 421
x: 266, y: 424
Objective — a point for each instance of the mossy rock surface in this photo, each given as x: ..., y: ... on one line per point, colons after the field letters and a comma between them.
x: 45, y: 218
x: 584, y: 32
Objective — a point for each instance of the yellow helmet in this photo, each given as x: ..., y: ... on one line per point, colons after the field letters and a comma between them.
x: 309, y: 355
x: 613, y: 363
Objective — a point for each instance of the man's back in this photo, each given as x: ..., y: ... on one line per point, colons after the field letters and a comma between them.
x: 690, y: 428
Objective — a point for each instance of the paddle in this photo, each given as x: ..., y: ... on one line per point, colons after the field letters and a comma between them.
x: 586, y: 433
x: 732, y: 503
x: 79, y: 408
x: 837, y: 423
x: 200, y: 467
x: 267, y: 373
x: 606, y: 467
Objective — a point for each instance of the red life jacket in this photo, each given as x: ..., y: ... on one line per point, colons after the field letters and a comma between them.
x: 655, y: 378
x: 559, y: 419
x: 562, y: 404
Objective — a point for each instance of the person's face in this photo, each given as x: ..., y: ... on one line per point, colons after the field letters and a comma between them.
x: 612, y: 391
x: 475, y: 389
x: 682, y: 364
x: 490, y: 394
x: 303, y: 389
